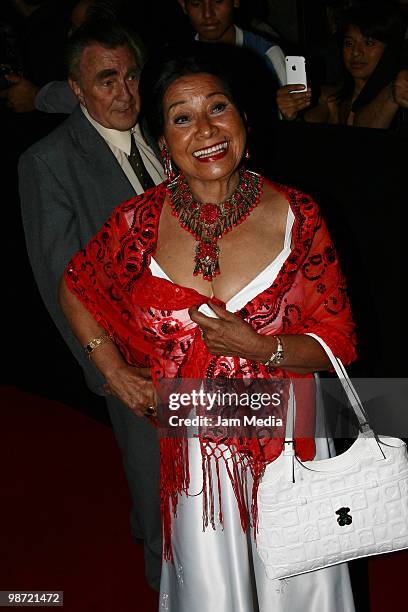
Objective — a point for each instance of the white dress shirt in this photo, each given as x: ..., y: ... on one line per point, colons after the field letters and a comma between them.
x: 120, y: 144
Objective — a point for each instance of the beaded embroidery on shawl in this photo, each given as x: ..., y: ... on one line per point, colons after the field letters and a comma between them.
x: 148, y: 318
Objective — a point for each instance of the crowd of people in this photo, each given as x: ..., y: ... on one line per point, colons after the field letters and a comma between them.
x: 124, y: 205
x: 364, y: 81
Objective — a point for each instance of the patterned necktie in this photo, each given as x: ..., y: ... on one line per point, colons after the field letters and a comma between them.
x: 135, y: 160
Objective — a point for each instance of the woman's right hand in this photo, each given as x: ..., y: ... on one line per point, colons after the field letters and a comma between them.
x: 289, y: 103
x: 132, y: 386
x: 400, y: 88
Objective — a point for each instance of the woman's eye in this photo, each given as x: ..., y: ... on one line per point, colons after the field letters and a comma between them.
x: 107, y: 83
x: 179, y: 119
x: 347, y: 43
x: 219, y: 107
x: 370, y: 42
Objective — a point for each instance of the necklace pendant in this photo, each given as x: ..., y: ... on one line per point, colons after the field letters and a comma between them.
x: 208, y: 222
x: 206, y: 260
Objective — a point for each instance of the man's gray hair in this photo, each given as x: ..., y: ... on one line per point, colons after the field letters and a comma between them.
x: 104, y: 33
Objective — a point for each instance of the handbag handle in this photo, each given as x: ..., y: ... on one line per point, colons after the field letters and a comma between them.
x: 348, y: 387
x: 355, y: 402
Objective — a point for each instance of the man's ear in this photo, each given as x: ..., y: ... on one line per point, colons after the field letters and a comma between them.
x: 76, y: 88
x: 182, y: 3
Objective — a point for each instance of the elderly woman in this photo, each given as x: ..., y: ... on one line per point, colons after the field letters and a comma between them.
x: 216, y: 273
x: 374, y: 91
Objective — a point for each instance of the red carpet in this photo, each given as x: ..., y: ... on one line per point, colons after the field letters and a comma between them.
x: 64, y: 509
x: 64, y: 514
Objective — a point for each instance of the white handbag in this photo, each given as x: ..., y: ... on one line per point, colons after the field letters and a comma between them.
x: 314, y: 514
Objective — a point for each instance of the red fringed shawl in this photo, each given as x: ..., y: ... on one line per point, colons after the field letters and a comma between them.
x: 148, y: 319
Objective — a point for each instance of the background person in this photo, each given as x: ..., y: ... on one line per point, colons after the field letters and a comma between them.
x: 41, y: 39
x: 69, y: 183
x: 24, y: 96
x: 271, y: 280
x: 213, y: 20
x: 372, y: 40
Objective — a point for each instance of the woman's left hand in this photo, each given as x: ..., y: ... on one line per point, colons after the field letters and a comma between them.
x: 229, y: 335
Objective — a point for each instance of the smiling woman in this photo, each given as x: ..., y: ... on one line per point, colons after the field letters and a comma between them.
x: 205, y: 132
x: 215, y: 274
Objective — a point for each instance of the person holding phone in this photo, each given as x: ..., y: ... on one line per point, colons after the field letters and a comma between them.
x: 374, y: 88
x: 296, y: 83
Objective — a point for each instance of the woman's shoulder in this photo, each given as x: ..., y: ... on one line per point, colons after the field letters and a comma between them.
x: 296, y: 197
x: 305, y: 210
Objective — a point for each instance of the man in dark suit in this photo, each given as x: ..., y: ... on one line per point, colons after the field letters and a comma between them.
x: 69, y: 184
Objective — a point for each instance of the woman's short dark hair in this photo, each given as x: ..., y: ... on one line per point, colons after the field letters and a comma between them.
x: 376, y: 19
x: 382, y: 21
x: 105, y: 33
x: 175, y: 61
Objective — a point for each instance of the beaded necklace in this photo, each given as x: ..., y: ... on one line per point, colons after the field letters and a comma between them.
x: 209, y: 222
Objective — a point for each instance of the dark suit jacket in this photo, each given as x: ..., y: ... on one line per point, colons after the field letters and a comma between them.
x: 69, y: 183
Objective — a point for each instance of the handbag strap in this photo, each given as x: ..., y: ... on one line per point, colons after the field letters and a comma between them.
x: 288, y: 455
x: 348, y: 387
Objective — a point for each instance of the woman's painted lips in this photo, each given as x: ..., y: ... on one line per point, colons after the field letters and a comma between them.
x: 214, y: 152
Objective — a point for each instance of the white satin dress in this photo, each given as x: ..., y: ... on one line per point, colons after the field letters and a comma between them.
x: 220, y: 570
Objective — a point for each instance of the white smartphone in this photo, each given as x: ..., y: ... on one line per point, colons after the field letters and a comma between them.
x: 296, y: 71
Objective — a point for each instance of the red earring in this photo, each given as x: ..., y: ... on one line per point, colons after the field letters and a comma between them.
x: 166, y: 159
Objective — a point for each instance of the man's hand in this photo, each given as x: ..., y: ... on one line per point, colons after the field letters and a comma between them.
x: 400, y: 88
x: 290, y: 104
x: 20, y: 96
x: 228, y: 334
x: 132, y: 386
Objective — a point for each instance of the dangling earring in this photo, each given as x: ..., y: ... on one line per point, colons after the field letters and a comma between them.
x: 247, y: 153
x: 166, y: 159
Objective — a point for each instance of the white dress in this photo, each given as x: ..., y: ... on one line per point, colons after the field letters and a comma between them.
x: 220, y: 570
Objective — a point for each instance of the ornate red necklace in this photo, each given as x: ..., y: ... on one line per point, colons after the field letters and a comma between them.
x: 208, y: 222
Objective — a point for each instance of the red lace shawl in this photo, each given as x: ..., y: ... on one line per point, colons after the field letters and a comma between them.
x: 148, y: 319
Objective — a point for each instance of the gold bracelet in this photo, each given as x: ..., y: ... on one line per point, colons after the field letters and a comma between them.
x: 94, y: 343
x: 278, y: 356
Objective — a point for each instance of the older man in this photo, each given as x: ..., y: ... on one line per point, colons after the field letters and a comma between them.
x: 69, y: 183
